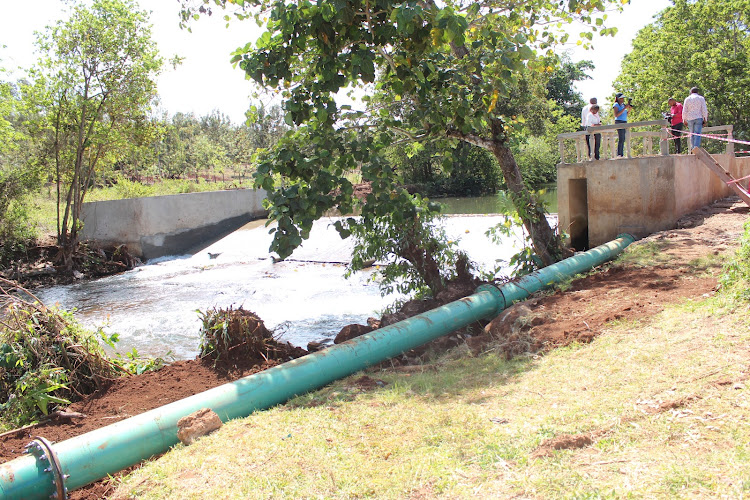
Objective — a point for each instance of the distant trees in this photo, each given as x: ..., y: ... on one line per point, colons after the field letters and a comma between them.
x: 189, y: 145
x: 560, y: 88
x: 20, y: 171
x: 704, y: 43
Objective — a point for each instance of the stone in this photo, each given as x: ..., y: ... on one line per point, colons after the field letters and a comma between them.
x: 195, y: 425
x: 350, y: 332
x: 510, y: 321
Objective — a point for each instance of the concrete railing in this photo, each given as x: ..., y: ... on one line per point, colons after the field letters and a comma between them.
x: 608, y: 147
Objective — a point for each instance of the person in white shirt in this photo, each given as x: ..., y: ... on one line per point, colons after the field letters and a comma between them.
x: 695, y: 114
x: 584, y: 113
x: 594, y: 120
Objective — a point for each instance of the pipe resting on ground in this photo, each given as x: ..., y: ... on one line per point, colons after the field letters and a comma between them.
x: 92, y: 456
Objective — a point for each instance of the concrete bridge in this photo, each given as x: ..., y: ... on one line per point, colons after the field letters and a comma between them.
x: 170, y: 225
x: 641, y: 193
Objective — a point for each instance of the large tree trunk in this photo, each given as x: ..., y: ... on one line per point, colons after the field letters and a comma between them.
x: 544, y: 240
x: 421, y: 255
x: 547, y: 245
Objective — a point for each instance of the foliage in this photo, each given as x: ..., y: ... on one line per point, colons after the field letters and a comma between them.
x: 736, y: 277
x: 442, y: 73
x: 235, y: 334
x: 98, y: 83
x: 468, y: 171
x: 417, y: 254
x: 537, y: 160
x: 703, y: 43
x: 18, y: 176
x: 561, y: 90
x: 47, y: 359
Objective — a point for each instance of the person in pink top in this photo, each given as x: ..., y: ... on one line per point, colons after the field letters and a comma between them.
x: 675, y: 114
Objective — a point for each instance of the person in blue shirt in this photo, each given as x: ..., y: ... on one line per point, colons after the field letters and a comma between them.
x: 620, y: 110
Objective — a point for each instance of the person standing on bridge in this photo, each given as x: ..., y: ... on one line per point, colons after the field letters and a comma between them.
x: 584, y: 114
x: 621, y: 116
x: 675, y: 119
x: 594, y: 120
x: 695, y: 114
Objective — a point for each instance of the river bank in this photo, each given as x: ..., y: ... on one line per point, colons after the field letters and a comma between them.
x: 665, y: 269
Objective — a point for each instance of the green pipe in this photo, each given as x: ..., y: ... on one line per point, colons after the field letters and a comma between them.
x: 94, y: 455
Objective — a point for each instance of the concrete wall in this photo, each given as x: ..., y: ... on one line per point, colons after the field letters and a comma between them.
x: 637, y: 195
x: 168, y: 225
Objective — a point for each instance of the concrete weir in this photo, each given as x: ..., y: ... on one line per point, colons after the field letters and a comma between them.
x: 168, y: 225
x: 599, y: 199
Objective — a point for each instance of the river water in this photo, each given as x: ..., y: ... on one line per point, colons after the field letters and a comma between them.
x: 154, y: 307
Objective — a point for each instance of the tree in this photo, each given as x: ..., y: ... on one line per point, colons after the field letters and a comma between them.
x: 99, y: 74
x: 704, y: 43
x: 454, y: 63
x: 20, y: 170
x: 560, y: 85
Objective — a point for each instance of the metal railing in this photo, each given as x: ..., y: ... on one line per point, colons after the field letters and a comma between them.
x: 608, y: 148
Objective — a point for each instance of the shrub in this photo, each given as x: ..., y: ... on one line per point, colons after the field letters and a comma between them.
x: 47, y: 359
x: 736, y: 277
x: 537, y: 161
x: 228, y: 334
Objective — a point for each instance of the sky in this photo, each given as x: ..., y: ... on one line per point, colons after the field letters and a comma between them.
x: 206, y: 81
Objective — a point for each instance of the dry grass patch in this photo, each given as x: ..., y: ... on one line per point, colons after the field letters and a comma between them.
x: 652, y: 410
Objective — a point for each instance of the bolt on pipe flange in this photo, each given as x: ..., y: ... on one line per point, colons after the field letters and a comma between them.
x: 47, y: 453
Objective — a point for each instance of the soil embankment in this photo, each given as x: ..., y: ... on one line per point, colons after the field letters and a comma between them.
x: 577, y: 314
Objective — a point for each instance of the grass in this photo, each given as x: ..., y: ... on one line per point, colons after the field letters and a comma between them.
x: 664, y: 401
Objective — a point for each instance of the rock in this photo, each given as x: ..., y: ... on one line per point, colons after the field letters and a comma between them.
x: 414, y: 307
x: 477, y: 344
x: 195, y: 425
x: 391, y: 318
x: 455, y: 291
x: 350, y: 332
x: 315, y: 346
x: 512, y: 320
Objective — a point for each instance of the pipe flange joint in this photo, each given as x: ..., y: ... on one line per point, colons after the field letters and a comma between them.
x: 497, y: 293
x: 46, y: 453
x: 627, y: 236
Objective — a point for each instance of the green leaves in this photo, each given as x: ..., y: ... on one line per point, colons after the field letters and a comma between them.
x: 440, y: 72
x: 703, y: 43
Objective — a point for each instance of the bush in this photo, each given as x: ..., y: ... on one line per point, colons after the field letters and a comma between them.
x: 465, y: 170
x: 537, y: 161
x: 47, y: 359
x: 736, y: 277
x: 237, y: 334
x: 127, y: 189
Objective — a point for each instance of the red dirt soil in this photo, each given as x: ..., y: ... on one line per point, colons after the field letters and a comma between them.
x: 577, y: 314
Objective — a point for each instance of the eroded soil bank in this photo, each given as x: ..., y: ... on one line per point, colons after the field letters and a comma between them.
x: 577, y: 314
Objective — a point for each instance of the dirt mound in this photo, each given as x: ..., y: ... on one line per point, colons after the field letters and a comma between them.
x: 562, y: 442
x: 236, y: 340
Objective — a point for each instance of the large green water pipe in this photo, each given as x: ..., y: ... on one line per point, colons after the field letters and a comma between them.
x: 92, y: 456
